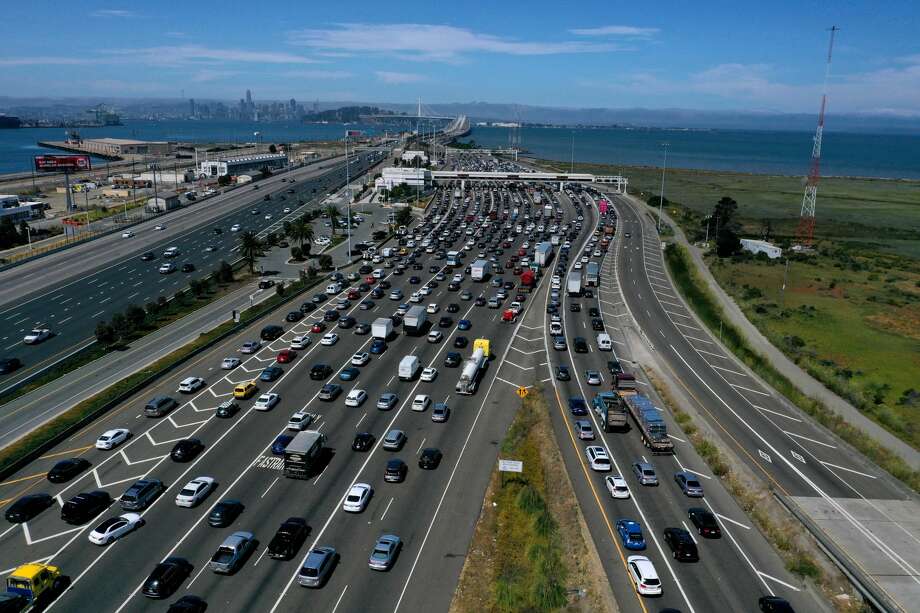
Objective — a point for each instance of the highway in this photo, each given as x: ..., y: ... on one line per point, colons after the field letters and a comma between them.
x: 71, y: 291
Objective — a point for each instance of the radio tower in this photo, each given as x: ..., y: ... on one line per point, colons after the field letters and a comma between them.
x: 806, y: 230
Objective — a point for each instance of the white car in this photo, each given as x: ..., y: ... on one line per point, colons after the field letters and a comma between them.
x: 286, y: 210
x: 355, y: 398
x: 250, y: 347
x: 230, y: 363
x: 421, y: 402
x: 114, y: 528
x: 113, y: 438
x: 425, y: 291
x: 598, y: 458
x: 644, y: 575
x: 195, y: 491
x: 416, y: 297
x: 166, y: 268
x: 236, y: 227
x: 555, y: 328
x: 430, y: 374
x: 159, y: 227
x: 617, y: 487
x: 36, y: 336
x: 127, y: 234
x: 435, y: 336
x: 300, y: 420
x: 357, y: 498
x: 360, y: 359
x: 300, y: 342
x: 191, y: 384
x: 330, y: 338
x: 266, y: 402
x: 432, y: 308
x: 269, y: 216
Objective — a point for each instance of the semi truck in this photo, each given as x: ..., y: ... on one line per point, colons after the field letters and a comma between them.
x: 573, y: 283
x: 382, y: 328
x: 471, y: 371
x: 624, y: 383
x: 542, y: 254
x: 414, y: 321
x: 592, y: 274
x: 302, y: 454
x: 479, y: 270
x: 611, y: 410
x: 652, y: 429
x: 528, y: 281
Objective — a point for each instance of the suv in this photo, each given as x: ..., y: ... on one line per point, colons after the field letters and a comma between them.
x: 83, y: 507
x: 681, y: 543
x: 270, y: 333
x: 288, y: 539
x: 228, y: 408
x: 166, y: 577
x: 159, y: 406
x: 141, y: 494
x: 320, y: 371
x: 317, y: 567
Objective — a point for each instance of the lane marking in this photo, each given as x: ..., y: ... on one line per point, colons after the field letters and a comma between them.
x: 810, y: 440
x: 848, y: 469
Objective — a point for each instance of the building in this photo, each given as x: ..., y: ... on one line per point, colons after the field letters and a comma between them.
x: 117, y: 147
x: 163, y: 203
x: 241, y: 165
x: 18, y: 210
x: 758, y: 246
x: 409, y: 156
x: 166, y: 177
x: 413, y: 177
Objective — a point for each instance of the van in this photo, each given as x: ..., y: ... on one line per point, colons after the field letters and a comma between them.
x: 333, y: 288
x: 409, y: 367
x: 604, y: 343
x: 160, y: 406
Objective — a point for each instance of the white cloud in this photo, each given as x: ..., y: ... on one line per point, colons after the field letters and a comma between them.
x: 428, y: 42
x: 194, y: 54
x: 42, y: 60
x: 398, y: 78
x: 206, y: 75
x: 625, y: 31
x: 119, y: 13
x: 317, y: 74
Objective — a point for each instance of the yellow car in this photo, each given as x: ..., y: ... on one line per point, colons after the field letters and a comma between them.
x: 245, y: 390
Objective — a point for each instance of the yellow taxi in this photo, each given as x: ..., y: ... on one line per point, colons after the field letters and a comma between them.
x: 245, y: 390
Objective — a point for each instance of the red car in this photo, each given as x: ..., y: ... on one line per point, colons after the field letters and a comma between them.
x: 354, y: 294
x: 318, y: 327
x: 522, y: 251
x: 286, y: 356
x: 370, y: 280
x: 517, y: 270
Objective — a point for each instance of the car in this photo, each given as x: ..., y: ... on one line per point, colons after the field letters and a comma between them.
x: 617, y: 487
x: 466, y: 295
x: 614, y: 367
x: 385, y: 551
x: 396, y: 294
x: 363, y: 441
x: 195, y: 491
x: 421, y: 402
x: 188, y: 267
x: 250, y: 347
x: 186, y: 450
x: 271, y: 373
x: 464, y: 324
x: 584, y: 430
x: 285, y: 356
x: 597, y: 324
x: 429, y: 374
x: 594, y: 312
x: 65, y: 470
x: 387, y: 401
x: 317, y: 567
x: 580, y: 345
x: 578, y: 406
x: 774, y: 604
x: 644, y: 576
x: 630, y: 534
x: 330, y: 391
x: 440, y: 413
x: 83, y: 507
x: 355, y: 398
x: 705, y: 522
x: 266, y: 402
x: 598, y: 459
x: 188, y: 603
x: 430, y: 458
x: 280, y: 443
x: 593, y: 377
x: 36, y: 336
x: 357, y: 498
x: 318, y: 372
x: 112, y: 438
x: 683, y: 548
x: 563, y: 373
x: 8, y: 365
x: 367, y: 305
x: 435, y: 336
x: 331, y: 315
x: 395, y: 471
x: 349, y: 373
x: 232, y: 553
x: 453, y: 307
x: 245, y: 390
x: 394, y: 440
x: 230, y: 363
x: 432, y: 308
x: 300, y: 420
x: 294, y: 316
x: 445, y: 322
x: 128, y: 234
x: 452, y: 359
x: 141, y: 494
x: 574, y: 307
x: 114, y: 528
x: 225, y: 513
x: 27, y: 507
x: 166, y: 577
x: 461, y: 342
x: 148, y: 256
x: 317, y: 327
x: 689, y: 484
x: 559, y: 343
x: 330, y: 338
x: 288, y: 539
x: 645, y: 473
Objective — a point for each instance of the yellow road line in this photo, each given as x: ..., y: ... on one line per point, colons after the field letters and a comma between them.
x: 35, y: 476
x: 68, y: 452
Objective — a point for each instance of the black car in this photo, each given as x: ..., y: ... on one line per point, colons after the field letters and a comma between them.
x: 433, y: 269
x: 594, y: 312
x: 683, y: 549
x: 562, y: 373
x: 295, y: 315
x: 83, y: 507
x: 580, y: 345
x: 8, y: 365
x: 166, y: 577
x: 453, y: 286
x: 704, y: 522
x: 384, y: 284
x: 288, y: 539
x: 452, y: 359
x: 395, y: 471
x: 414, y: 280
x: 148, y: 256
x: 27, y: 507
x: 271, y: 373
x: 460, y: 342
x: 330, y: 315
x: 320, y: 372
x: 614, y: 367
x: 317, y: 298
x: 270, y: 333
x: 366, y: 270
x: 225, y: 513
x: 307, y: 307
x: 363, y: 441
x: 597, y: 324
x: 186, y: 449
x: 774, y: 604
x: 480, y: 301
x: 453, y: 307
x: 347, y: 322
x: 446, y: 322
x: 65, y: 470
x: 188, y: 267
x: 188, y: 604
x: 430, y: 458
x: 266, y: 283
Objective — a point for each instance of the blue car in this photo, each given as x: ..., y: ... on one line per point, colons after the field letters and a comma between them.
x: 281, y: 443
x: 349, y: 374
x: 378, y: 346
x: 577, y: 406
x: 271, y: 373
x: 631, y: 534
x: 464, y: 324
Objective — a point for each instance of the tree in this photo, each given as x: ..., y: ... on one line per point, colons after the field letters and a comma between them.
x: 225, y: 272
x: 296, y: 253
x: 311, y: 272
x: 325, y: 262
x: 725, y: 210
x: 280, y: 288
x: 152, y: 309
x: 223, y: 180
x: 727, y: 243
x: 136, y: 316
x: 301, y: 231
x: 333, y: 214
x: 272, y: 148
x: 196, y: 286
x: 120, y: 325
x: 9, y: 237
x: 105, y: 333
x: 403, y: 216
x: 251, y: 249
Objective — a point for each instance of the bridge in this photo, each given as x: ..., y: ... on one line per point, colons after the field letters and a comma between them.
x: 512, y: 152
x: 562, y: 177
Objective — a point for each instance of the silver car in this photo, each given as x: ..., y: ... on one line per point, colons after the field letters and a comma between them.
x: 317, y: 567
x: 394, y: 440
x: 232, y: 552
x: 387, y: 401
x: 384, y: 553
x: 645, y: 473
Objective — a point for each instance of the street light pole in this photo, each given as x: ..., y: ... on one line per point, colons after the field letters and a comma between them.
x: 661, y: 196
x: 348, y: 202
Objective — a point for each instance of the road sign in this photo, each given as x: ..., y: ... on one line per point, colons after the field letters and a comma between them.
x: 510, y: 466
x: 522, y: 392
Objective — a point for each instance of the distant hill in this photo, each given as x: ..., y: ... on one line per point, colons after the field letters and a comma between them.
x: 346, y: 114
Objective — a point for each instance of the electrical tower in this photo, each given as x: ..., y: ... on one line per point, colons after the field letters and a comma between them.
x: 806, y: 230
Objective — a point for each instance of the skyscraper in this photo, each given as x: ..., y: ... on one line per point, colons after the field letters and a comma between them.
x: 191, y: 107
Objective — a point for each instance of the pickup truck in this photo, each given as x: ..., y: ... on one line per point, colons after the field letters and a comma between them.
x: 232, y: 552
x: 288, y: 539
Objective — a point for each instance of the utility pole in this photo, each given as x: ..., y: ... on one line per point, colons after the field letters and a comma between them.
x: 348, y: 202
x: 661, y: 196
x: 572, y: 167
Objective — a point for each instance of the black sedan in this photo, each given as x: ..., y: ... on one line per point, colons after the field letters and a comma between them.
x: 452, y: 359
x: 225, y: 513
x: 186, y: 449
x: 166, y: 577
x: 446, y: 322
x: 294, y: 316
x: 8, y: 365
x: 65, y: 470
x: 363, y: 441
x: 28, y: 507
x: 430, y: 458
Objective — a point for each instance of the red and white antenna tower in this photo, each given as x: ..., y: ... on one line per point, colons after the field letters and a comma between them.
x: 806, y: 231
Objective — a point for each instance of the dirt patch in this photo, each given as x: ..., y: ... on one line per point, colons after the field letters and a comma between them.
x: 904, y: 321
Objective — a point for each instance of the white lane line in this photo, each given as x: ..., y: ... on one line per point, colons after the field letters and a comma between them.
x: 848, y: 469
x: 360, y: 420
x: 693, y: 472
x: 97, y: 314
x: 676, y: 438
x: 422, y: 444
x: 715, y: 355
x: 777, y: 413
x: 269, y: 487
x: 810, y: 440
x: 677, y: 323
x: 771, y: 578
x: 734, y: 372
x: 699, y: 340
x: 339, y: 601
x: 729, y: 519
x: 262, y: 555
x: 747, y: 389
x: 198, y: 574
x: 13, y: 345
x: 689, y: 531
x: 387, y: 509
x: 518, y: 366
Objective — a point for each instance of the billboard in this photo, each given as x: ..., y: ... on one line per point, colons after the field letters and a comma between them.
x: 62, y: 163
x: 354, y: 133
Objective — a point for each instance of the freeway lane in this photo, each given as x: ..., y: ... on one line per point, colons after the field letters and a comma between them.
x: 870, y: 512
x: 104, y: 279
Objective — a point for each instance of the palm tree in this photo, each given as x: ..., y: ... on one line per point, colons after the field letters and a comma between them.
x: 250, y: 249
x: 301, y: 231
x: 333, y: 214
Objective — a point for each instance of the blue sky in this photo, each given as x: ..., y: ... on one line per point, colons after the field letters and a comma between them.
x: 703, y: 55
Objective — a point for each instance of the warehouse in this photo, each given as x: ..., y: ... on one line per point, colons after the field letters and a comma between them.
x: 757, y: 246
x: 241, y: 165
x: 118, y: 147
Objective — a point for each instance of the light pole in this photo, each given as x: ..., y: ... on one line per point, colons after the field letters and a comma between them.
x: 661, y: 196
x: 348, y: 201
x: 29, y: 236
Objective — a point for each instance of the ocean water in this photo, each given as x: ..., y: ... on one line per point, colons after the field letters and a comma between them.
x: 770, y: 152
